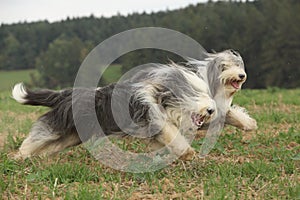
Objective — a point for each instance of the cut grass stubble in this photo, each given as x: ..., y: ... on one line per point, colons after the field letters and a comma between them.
x: 262, y: 164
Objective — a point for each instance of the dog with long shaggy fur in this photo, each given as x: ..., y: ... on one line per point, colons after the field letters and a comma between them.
x: 170, y: 100
x: 225, y: 74
x: 172, y: 97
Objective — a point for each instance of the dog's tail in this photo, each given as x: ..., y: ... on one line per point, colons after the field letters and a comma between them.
x: 42, y: 97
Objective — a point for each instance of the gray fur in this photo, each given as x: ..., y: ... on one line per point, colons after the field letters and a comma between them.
x: 148, y: 94
x: 212, y: 66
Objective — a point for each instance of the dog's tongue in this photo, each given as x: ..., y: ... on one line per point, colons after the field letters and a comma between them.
x: 235, y: 84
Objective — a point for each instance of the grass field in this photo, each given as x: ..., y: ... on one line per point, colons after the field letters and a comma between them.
x: 9, y: 78
x: 262, y: 164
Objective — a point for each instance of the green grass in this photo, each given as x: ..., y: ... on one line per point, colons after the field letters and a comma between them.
x: 263, y: 164
x: 9, y: 78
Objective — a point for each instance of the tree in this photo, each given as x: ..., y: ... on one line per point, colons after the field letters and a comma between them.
x: 281, y: 47
x: 12, y: 47
x: 58, y: 66
x: 265, y: 32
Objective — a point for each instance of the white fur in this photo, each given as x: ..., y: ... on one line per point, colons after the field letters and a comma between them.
x: 172, y: 138
x: 19, y: 93
x: 196, y: 82
x: 232, y: 66
x: 238, y: 116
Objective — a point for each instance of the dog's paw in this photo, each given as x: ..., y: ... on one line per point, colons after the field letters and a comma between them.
x: 251, y: 125
x: 189, y: 154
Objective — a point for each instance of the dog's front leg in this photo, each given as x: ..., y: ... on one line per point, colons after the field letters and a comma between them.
x: 238, y: 117
x: 171, y: 137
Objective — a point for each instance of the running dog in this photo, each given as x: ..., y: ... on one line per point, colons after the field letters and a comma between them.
x: 224, y: 72
x: 168, y: 101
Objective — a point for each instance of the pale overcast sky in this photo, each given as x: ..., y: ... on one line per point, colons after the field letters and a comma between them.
x: 13, y: 11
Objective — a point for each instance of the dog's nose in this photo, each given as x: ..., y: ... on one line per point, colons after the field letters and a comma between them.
x: 242, y: 76
x: 210, y: 110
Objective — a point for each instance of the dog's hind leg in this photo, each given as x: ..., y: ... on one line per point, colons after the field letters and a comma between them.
x: 42, y: 140
x: 40, y: 135
x: 238, y: 117
x: 175, y: 142
x: 63, y: 142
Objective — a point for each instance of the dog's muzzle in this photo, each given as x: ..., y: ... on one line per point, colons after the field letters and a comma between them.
x: 210, y: 111
x: 198, y: 119
x: 242, y: 76
x: 236, y: 84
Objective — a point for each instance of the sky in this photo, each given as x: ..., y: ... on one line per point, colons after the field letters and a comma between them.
x: 14, y: 11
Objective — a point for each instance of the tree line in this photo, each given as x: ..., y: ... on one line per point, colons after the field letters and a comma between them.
x: 265, y: 32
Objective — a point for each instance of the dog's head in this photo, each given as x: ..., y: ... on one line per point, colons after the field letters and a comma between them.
x: 204, y: 111
x: 225, y: 69
x: 232, y: 70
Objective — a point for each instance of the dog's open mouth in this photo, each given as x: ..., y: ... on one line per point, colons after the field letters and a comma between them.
x: 236, y: 84
x: 197, y: 119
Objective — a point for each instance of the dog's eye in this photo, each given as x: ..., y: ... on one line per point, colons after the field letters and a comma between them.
x: 223, y: 68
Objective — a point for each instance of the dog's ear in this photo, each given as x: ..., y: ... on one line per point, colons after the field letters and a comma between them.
x: 213, y: 74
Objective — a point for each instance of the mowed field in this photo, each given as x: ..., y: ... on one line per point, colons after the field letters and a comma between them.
x: 262, y: 164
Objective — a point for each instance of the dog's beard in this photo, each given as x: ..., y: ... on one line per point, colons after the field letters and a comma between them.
x: 231, y: 80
